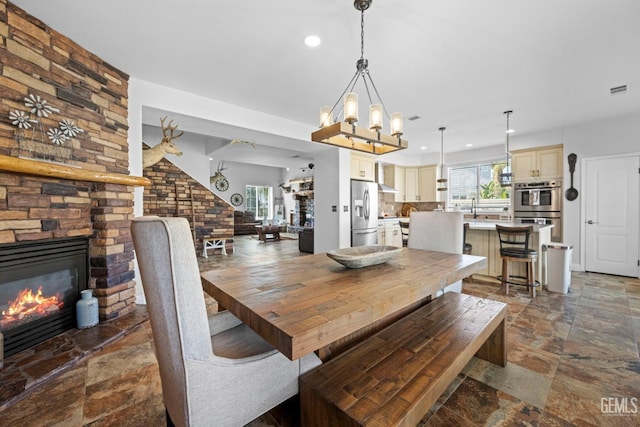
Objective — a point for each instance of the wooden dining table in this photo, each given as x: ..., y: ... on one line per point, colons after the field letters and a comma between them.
x: 313, y: 304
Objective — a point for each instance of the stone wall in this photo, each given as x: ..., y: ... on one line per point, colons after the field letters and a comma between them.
x: 37, y: 60
x: 170, y: 194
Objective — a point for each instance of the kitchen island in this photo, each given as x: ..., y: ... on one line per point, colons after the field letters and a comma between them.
x: 482, y: 235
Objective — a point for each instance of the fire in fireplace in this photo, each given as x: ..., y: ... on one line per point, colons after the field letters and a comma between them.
x: 40, y: 283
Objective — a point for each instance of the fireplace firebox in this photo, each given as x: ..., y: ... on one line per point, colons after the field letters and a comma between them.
x: 40, y: 282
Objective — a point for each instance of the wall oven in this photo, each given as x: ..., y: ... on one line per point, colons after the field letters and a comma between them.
x: 539, y: 203
x: 545, y: 196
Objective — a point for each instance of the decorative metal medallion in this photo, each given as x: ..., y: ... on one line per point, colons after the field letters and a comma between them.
x: 222, y: 184
x: 236, y: 199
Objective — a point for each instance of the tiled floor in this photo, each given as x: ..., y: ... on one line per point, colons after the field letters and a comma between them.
x: 566, y: 354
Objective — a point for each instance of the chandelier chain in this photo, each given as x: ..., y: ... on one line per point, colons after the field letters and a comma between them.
x: 362, y: 34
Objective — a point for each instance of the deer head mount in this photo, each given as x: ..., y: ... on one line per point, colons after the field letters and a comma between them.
x: 153, y: 155
x: 218, y: 175
x: 286, y: 189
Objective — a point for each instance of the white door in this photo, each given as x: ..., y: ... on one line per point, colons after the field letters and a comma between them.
x: 612, y: 204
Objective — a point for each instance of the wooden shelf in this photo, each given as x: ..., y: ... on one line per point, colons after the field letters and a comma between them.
x: 54, y: 170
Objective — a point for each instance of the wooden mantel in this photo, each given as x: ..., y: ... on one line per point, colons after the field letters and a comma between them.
x: 34, y: 167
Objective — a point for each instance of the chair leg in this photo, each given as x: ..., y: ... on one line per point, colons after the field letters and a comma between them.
x: 505, y: 276
x: 533, y: 279
x: 169, y: 421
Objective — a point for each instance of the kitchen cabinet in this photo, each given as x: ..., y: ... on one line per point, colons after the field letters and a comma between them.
x: 392, y: 233
x: 420, y: 184
x: 394, y: 176
x: 427, y: 183
x: 541, y: 163
x: 362, y: 167
x: 411, y: 192
x: 479, y: 240
x: 381, y: 233
x: 389, y: 233
x: 414, y: 184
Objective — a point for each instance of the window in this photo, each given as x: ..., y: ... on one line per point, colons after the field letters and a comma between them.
x: 481, y: 182
x: 258, y: 199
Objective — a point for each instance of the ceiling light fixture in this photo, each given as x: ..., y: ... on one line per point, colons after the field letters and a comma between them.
x: 442, y: 181
x: 505, y: 174
x: 346, y: 134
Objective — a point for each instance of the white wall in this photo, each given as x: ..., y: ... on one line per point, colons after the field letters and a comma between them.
x: 614, y: 136
x: 332, y: 229
x: 601, y: 138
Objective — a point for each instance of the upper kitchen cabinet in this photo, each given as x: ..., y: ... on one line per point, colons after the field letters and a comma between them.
x: 420, y: 184
x: 427, y: 183
x: 394, y: 177
x: 540, y: 163
x: 362, y: 167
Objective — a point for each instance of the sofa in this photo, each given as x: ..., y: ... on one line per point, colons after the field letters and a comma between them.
x: 244, y: 223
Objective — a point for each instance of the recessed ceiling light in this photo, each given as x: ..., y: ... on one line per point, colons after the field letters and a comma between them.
x: 510, y: 131
x: 210, y: 158
x: 312, y: 41
x: 469, y: 145
x: 423, y: 148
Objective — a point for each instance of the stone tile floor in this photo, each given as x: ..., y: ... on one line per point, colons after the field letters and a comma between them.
x: 566, y: 354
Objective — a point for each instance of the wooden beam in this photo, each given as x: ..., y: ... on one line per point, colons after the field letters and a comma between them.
x: 54, y: 170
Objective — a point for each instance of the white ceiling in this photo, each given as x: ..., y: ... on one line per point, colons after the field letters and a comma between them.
x: 458, y: 64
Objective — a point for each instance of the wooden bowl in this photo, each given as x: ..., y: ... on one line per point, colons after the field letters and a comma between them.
x: 363, y: 256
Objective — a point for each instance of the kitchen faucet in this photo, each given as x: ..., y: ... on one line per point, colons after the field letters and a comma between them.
x: 474, y: 208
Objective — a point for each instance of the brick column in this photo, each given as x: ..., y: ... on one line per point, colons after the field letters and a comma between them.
x: 111, y: 249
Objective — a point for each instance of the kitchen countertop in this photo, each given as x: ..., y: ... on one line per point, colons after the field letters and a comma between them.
x: 480, y: 224
x: 491, y: 225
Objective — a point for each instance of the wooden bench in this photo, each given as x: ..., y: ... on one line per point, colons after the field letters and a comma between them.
x: 215, y: 243
x: 395, y: 376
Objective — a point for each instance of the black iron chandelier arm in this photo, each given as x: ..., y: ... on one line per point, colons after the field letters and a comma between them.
x: 375, y: 89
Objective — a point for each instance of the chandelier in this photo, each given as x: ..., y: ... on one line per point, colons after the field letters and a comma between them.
x: 346, y: 134
x: 442, y: 181
x: 505, y: 175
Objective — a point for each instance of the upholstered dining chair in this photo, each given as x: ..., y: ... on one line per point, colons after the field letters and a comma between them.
x: 437, y: 231
x: 214, y: 370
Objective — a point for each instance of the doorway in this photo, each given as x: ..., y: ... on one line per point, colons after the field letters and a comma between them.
x: 611, y: 214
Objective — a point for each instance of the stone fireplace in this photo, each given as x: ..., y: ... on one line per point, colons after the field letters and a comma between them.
x: 90, y: 196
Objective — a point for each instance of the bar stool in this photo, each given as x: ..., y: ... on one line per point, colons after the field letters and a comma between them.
x: 404, y: 229
x: 466, y: 247
x: 514, y: 247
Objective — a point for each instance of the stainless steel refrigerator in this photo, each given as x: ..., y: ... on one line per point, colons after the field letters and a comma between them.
x: 364, y: 213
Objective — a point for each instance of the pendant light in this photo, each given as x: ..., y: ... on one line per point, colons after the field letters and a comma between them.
x: 442, y: 181
x: 346, y: 134
x: 505, y: 175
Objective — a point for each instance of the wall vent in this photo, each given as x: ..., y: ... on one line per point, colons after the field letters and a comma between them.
x: 618, y: 90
